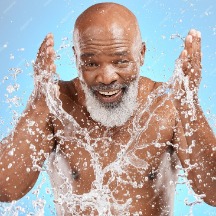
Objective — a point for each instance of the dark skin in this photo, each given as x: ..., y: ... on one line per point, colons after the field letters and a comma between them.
x: 110, y: 51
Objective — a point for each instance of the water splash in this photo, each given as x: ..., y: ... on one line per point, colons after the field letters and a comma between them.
x: 101, y: 198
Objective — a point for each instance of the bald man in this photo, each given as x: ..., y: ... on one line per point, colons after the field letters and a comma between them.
x: 114, y: 140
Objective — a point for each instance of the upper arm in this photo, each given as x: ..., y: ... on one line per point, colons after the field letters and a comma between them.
x: 24, y: 152
x: 197, y: 161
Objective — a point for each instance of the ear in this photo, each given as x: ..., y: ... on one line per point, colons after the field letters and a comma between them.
x: 142, y: 53
x: 74, y: 51
x: 75, y: 54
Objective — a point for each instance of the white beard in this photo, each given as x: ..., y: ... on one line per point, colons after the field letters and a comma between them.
x: 115, y: 115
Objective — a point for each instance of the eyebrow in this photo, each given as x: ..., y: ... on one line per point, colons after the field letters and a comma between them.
x: 87, y: 55
x: 119, y: 53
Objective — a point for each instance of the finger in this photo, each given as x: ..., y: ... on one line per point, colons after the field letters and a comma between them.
x: 196, y: 43
x: 198, y: 40
x: 50, y: 41
x: 194, y: 59
x: 50, y: 54
x: 188, y: 45
x: 46, y: 55
x: 183, y: 55
x: 53, y: 68
x: 47, y: 42
x: 185, y: 60
x: 196, y: 53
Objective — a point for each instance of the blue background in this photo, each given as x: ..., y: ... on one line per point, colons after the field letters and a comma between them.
x: 24, y: 24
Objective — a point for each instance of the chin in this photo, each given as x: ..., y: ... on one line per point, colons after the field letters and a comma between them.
x: 109, y: 112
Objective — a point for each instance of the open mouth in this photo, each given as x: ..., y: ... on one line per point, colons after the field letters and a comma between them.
x: 109, y: 93
x: 109, y: 96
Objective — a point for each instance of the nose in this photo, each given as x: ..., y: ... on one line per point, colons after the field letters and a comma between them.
x: 106, y: 75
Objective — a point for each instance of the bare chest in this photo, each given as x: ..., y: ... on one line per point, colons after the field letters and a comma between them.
x: 124, y: 167
x: 121, y: 171
x: 130, y: 154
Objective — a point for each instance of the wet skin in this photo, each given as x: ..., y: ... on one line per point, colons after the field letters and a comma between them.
x: 155, y: 176
x: 107, y: 62
x: 99, y: 66
x: 105, y: 58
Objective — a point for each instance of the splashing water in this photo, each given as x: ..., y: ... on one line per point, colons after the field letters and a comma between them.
x: 100, y: 199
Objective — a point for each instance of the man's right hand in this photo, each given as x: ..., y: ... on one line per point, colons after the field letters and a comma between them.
x: 44, y: 66
x: 31, y: 141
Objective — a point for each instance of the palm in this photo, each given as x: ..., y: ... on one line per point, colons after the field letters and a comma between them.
x: 44, y: 65
x: 191, y: 59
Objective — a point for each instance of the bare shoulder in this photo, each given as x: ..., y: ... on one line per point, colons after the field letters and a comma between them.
x: 67, y: 88
x: 71, y: 97
x: 68, y: 92
x: 147, y: 85
x: 161, y: 101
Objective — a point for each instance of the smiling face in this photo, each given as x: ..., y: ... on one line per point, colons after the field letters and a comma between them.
x: 109, y: 53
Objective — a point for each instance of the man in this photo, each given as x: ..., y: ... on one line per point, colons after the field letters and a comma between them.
x: 114, y: 139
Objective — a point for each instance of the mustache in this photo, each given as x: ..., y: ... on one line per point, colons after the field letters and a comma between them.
x: 111, y: 86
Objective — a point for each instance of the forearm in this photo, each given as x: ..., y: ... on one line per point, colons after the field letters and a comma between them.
x: 200, y: 151
x: 23, y: 153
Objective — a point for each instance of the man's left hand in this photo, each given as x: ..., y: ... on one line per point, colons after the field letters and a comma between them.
x: 191, y: 59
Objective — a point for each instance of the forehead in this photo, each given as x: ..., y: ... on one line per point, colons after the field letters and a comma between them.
x: 112, y: 31
x: 107, y: 30
x: 97, y: 47
x: 113, y: 37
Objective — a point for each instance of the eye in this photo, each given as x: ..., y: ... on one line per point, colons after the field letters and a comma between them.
x: 121, y: 62
x: 91, y: 64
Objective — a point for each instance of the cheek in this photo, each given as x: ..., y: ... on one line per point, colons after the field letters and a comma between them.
x: 131, y: 72
x: 87, y: 77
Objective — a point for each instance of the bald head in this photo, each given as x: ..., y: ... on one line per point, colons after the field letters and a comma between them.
x: 109, y: 19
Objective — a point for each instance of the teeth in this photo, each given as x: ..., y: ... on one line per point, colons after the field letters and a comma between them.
x: 110, y: 93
